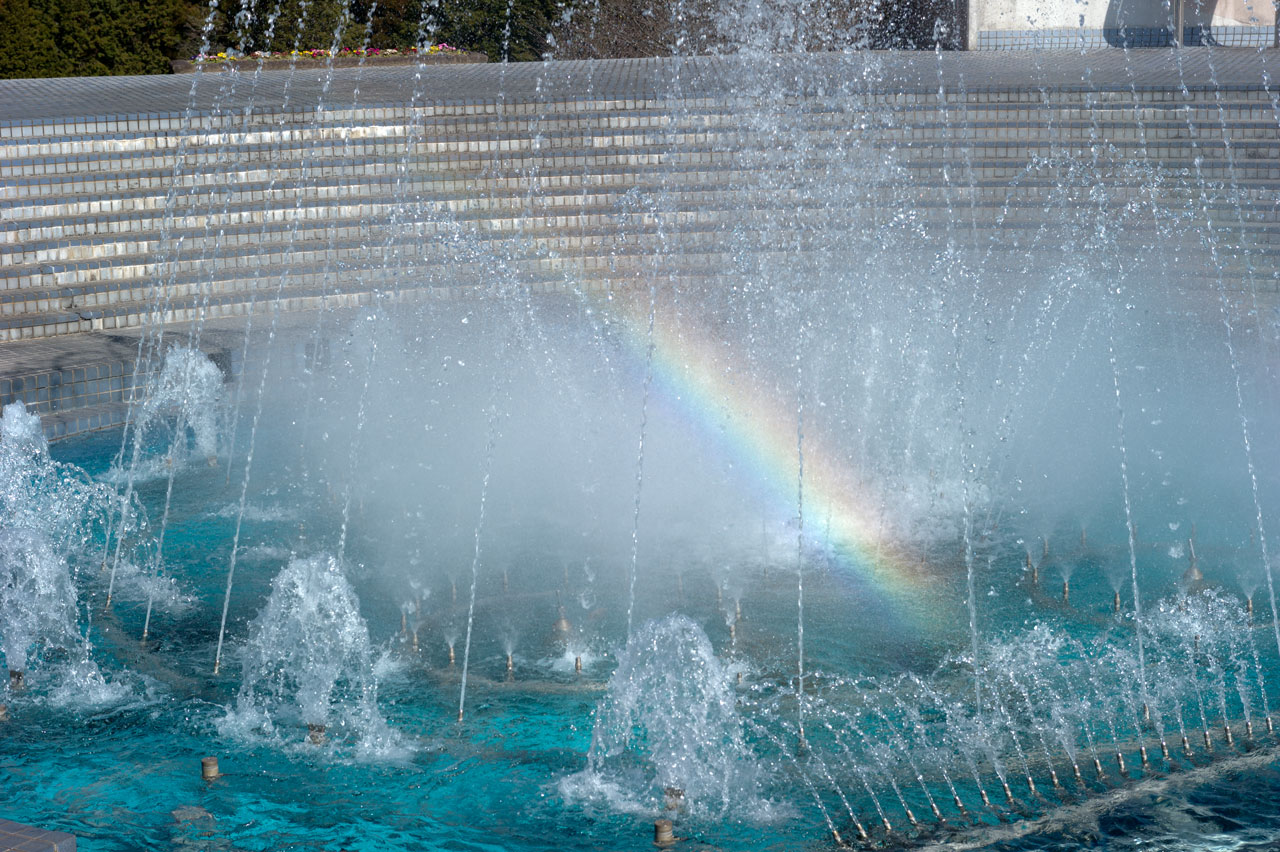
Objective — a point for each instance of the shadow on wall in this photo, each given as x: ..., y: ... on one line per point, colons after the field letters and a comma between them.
x: 1149, y: 23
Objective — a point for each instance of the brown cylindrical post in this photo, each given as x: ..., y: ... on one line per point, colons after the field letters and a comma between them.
x: 209, y: 768
x: 577, y: 664
x: 663, y: 834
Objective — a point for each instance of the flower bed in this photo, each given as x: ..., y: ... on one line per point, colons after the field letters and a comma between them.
x: 436, y: 54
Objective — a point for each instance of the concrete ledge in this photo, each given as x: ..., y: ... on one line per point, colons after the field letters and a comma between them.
x: 16, y: 837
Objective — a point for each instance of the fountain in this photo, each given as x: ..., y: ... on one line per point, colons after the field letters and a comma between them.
x: 758, y: 449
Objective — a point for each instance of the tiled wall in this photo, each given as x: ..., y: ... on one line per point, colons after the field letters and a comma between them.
x: 111, y: 221
x: 1082, y: 38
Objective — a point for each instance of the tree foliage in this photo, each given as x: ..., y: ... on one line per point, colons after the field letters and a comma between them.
x: 56, y: 38
x: 47, y: 38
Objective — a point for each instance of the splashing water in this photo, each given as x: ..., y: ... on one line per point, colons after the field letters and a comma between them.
x: 668, y: 728
x: 307, y: 667
x: 48, y: 513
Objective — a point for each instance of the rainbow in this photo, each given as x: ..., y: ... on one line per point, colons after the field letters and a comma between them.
x: 695, y: 372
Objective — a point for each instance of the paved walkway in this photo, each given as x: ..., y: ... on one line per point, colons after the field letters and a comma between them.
x: 539, y: 82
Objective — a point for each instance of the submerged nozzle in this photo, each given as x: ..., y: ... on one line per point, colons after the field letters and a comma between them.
x: 209, y: 768
x: 1186, y: 745
x: 1097, y: 767
x: 1208, y: 743
x: 1075, y: 767
x: 1142, y: 750
x: 911, y: 818
x: 1008, y: 794
x: 663, y: 834
x: 1053, y: 776
x: 1120, y: 762
x: 562, y: 627
x: 1164, y: 749
x: 1226, y: 730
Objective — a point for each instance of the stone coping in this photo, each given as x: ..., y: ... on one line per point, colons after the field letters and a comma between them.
x: 623, y: 82
x: 16, y: 837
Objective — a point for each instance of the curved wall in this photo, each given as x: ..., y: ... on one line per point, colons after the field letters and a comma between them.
x: 211, y: 195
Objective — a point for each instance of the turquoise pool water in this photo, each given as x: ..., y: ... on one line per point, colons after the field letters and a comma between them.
x: 116, y: 759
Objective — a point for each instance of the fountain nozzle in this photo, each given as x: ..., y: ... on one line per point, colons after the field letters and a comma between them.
x: 1066, y: 592
x: 451, y: 655
x: 511, y: 665
x: 17, y: 680
x: 663, y: 835
x: 577, y: 664
x: 1115, y: 602
x: 209, y: 768
x: 315, y: 733
x: 673, y: 798
x: 562, y: 627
